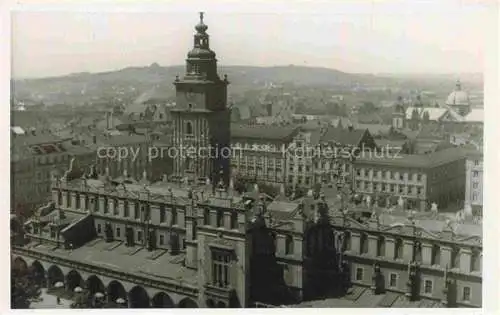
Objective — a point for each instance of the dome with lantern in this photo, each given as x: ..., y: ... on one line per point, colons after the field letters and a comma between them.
x: 458, y: 96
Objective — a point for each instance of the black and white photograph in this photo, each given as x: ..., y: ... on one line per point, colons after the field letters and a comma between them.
x: 329, y: 157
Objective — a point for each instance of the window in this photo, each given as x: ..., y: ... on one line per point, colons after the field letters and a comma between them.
x: 475, y: 174
x: 436, y: 255
x: 475, y: 185
x: 288, y: 245
x: 117, y: 232
x: 475, y: 264
x: 455, y: 258
x: 398, y: 249
x: 476, y: 162
x: 234, y: 220
x: 136, y: 211
x: 393, y: 280
x: 139, y: 236
x: 466, y: 294
x: 206, y: 217
x: 106, y: 205
x: 68, y: 200
x: 380, y: 246
x: 98, y: 228
x: 162, y: 214
x: 363, y: 244
x: 220, y: 268
x: 77, y: 201
x: 115, y: 207
x: 359, y: 274
x: 126, y: 210
x: 474, y: 196
x: 428, y: 286
x: 220, y: 218
x: 162, y: 239
x: 347, y: 241
x: 174, y: 216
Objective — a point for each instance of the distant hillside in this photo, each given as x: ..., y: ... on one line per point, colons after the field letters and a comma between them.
x: 130, y: 82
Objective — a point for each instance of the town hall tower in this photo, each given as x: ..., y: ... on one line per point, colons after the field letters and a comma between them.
x: 201, y: 117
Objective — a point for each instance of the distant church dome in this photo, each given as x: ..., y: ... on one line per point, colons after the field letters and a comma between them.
x: 458, y: 97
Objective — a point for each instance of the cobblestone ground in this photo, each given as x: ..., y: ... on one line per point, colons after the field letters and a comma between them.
x: 50, y: 301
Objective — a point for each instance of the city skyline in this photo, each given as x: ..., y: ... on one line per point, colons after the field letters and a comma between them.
x: 106, y: 41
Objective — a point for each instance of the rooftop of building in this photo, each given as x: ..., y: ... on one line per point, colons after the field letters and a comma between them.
x: 345, y: 136
x: 158, y: 264
x: 433, y: 159
x: 363, y: 297
x: 260, y: 132
x: 475, y: 115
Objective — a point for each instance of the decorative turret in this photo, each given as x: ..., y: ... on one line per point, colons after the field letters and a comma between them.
x: 412, y: 284
x: 447, y: 286
x: 377, y: 280
x: 201, y: 62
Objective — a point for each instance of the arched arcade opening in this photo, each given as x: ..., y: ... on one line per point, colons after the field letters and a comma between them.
x: 95, y: 285
x: 38, y: 273
x: 73, y: 280
x: 54, y: 276
x: 116, y: 291
x: 162, y: 300
x: 187, y: 303
x: 19, y: 265
x: 138, y: 298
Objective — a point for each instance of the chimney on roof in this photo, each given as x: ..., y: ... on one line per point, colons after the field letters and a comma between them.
x: 94, y: 139
x: 350, y: 128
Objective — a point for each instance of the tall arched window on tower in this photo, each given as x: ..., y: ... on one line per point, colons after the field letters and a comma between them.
x: 189, y: 128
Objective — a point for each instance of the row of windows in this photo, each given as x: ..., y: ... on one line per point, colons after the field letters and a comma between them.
x: 435, y: 259
x: 263, y: 147
x: 117, y: 232
x: 383, y: 187
x: 428, y: 284
x: 251, y: 162
x: 219, y: 219
x: 53, y: 159
x: 137, y: 208
x: 396, y: 175
x: 300, y: 179
x: 259, y: 169
x: 300, y: 168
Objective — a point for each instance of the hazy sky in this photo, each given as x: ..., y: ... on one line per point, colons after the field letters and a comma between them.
x: 356, y: 36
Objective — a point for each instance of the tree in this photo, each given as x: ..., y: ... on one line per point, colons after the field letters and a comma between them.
x: 367, y: 108
x: 23, y: 289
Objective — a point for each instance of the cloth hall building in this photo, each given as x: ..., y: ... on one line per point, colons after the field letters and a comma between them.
x: 197, y: 243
